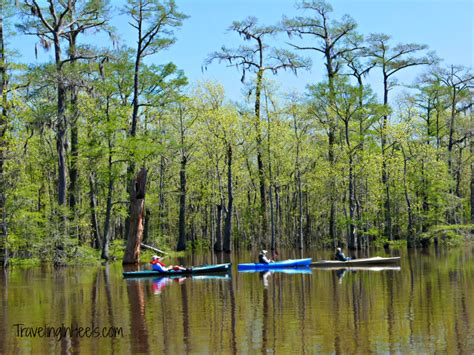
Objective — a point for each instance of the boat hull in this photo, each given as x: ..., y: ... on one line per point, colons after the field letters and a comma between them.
x: 376, y: 261
x: 291, y: 263
x: 195, y: 270
x: 293, y: 270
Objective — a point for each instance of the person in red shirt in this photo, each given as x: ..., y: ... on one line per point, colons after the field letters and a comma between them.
x: 158, y: 265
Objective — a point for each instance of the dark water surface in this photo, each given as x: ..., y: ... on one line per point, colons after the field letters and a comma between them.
x: 424, y: 306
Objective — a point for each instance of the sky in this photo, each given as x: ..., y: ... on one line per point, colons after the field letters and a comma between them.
x: 446, y: 26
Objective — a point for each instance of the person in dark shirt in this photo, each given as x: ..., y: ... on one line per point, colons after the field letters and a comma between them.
x: 340, y: 255
x: 263, y: 259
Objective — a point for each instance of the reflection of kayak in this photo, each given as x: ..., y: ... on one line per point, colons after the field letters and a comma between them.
x: 294, y: 270
x: 195, y: 270
x: 210, y: 277
x: 357, y: 262
x: 159, y: 285
x: 291, y: 263
x: 363, y: 268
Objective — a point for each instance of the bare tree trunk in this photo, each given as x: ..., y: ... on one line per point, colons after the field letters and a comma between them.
x: 410, y: 229
x: 424, y: 197
x: 352, y: 228
x: 385, y: 176
x: 161, y: 196
x: 93, y: 206
x: 61, y: 126
x: 299, y: 190
x: 300, y: 209
x: 472, y: 177
x: 182, y: 206
x: 218, y: 243
x: 331, y: 141
x: 110, y: 191
x: 108, y: 213
x: 270, y: 192
x: 261, y: 170
x: 278, y: 213
x: 73, y: 170
x: 137, y: 210
x: 230, y: 201
x: 451, y: 132
x: 3, y: 144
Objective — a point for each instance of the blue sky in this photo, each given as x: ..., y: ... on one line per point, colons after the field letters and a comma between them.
x: 446, y: 26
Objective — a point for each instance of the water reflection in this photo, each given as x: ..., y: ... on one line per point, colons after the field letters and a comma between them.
x: 423, y: 306
x: 138, y: 326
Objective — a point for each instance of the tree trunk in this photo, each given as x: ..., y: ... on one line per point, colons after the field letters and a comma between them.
x: 161, y: 196
x: 410, y: 229
x: 300, y: 235
x: 472, y: 178
x: 3, y: 144
x: 93, y: 206
x: 110, y: 190
x: 451, y: 133
x: 218, y: 243
x: 182, y: 206
x: 73, y: 171
x: 137, y: 210
x: 300, y: 210
x: 331, y: 142
x: 230, y: 201
x: 270, y: 189
x: 352, y: 229
x: 385, y: 177
x: 61, y: 126
x: 261, y: 170
x: 424, y: 198
x: 108, y: 213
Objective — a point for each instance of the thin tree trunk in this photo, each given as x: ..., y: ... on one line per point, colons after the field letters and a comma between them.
x: 230, y: 201
x: 110, y: 190
x: 270, y: 192
x: 218, y: 243
x: 331, y: 143
x: 3, y: 145
x: 108, y: 213
x: 73, y: 170
x: 182, y: 206
x: 458, y: 174
x: 424, y: 194
x: 410, y: 229
x: 472, y: 177
x: 352, y: 229
x: 161, y: 196
x: 451, y: 133
x: 137, y: 210
x: 261, y: 170
x: 93, y: 206
x: 300, y: 235
x: 385, y: 175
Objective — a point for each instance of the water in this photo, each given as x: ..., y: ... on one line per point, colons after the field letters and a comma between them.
x: 424, y: 306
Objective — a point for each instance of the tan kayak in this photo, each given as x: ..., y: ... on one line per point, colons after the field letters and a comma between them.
x: 378, y: 260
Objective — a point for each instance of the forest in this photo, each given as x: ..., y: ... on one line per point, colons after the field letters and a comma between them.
x: 104, y: 148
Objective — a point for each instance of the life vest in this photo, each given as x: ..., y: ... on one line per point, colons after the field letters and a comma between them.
x: 157, y: 265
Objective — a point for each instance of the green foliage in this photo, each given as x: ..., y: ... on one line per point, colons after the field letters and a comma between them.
x: 449, y: 235
x: 428, y: 183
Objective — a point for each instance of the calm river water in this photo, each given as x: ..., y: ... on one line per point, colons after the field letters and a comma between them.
x: 424, y: 306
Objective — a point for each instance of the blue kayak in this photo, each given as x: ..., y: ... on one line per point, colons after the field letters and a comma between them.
x: 202, y: 269
x: 290, y: 263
